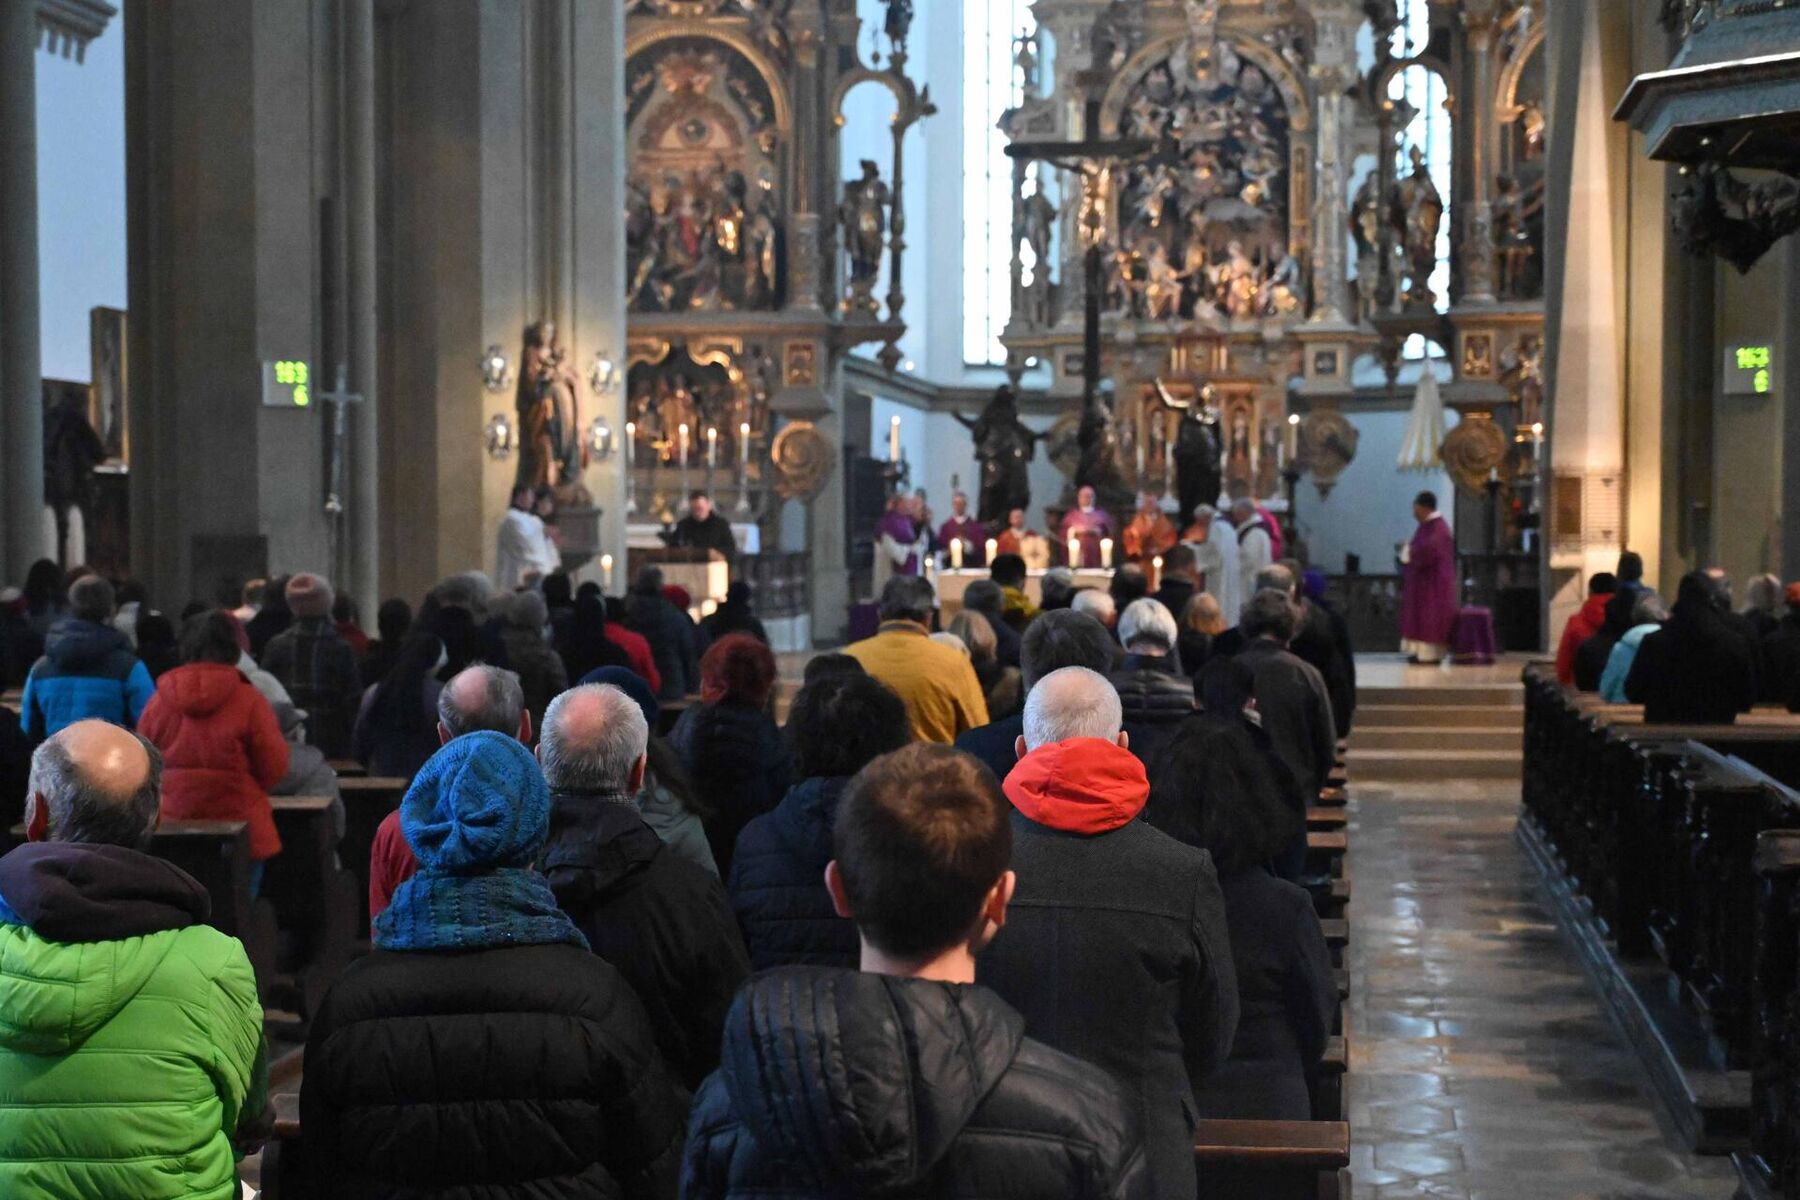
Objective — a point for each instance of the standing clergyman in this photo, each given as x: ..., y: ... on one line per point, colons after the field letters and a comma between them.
x: 1427, y: 584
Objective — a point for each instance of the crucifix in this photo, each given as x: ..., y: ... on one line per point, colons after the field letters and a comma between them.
x: 340, y: 398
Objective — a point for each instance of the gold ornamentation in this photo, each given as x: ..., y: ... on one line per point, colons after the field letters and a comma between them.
x: 1478, y: 356
x: 1327, y: 445
x: 802, y: 365
x: 1474, y: 448
x: 802, y: 458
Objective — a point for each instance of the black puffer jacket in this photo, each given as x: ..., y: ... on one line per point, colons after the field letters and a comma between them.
x: 1696, y: 669
x: 674, y: 642
x: 523, y: 1071
x: 1156, y: 698
x: 738, y: 763
x: 841, y: 1084
x: 778, y: 882
x: 664, y: 922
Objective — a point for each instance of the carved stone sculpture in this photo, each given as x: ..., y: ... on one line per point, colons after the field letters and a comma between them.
x: 1004, y: 447
x: 1417, y: 211
x: 863, y: 218
x: 552, y: 448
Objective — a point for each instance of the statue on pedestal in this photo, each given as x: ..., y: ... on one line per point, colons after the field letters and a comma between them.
x: 863, y: 216
x: 1198, y: 474
x: 552, y: 450
x: 1003, y: 446
x: 1416, y: 211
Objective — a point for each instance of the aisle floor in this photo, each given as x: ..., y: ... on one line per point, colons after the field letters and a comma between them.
x: 1481, y: 1063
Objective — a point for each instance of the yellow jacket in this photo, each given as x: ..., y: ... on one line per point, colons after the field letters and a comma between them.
x: 942, y: 695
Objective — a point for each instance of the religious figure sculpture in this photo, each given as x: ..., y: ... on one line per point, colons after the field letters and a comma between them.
x: 1003, y: 446
x: 1097, y: 439
x: 863, y: 216
x: 552, y: 450
x: 1365, y: 230
x: 1198, y: 477
x: 1037, y: 218
x: 1417, y: 211
x: 1513, y: 251
x: 898, y: 24
x: 762, y: 253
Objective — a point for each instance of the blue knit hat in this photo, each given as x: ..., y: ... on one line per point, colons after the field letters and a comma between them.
x: 632, y: 684
x: 478, y: 804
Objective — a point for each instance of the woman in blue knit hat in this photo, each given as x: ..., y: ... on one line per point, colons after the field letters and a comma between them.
x: 481, y: 1047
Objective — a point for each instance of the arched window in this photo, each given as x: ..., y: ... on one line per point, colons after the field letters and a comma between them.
x: 991, y: 85
x: 1424, y: 92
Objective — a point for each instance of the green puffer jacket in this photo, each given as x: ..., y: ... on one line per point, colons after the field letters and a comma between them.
x: 125, y: 1064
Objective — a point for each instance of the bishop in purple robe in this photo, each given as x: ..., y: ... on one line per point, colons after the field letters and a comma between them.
x: 1427, y: 584
x: 1087, y: 525
x: 961, y: 527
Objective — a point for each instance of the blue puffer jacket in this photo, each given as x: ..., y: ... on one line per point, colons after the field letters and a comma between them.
x: 778, y: 883
x: 88, y: 671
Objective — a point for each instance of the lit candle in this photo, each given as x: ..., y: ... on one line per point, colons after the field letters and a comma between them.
x: 1074, y: 551
x: 1106, y: 552
x: 681, y: 431
x: 630, y: 443
x: 606, y: 562
x: 1156, y: 571
x: 1293, y: 435
x: 744, y: 443
x: 712, y: 447
x: 894, y: 439
x: 956, y: 554
x: 993, y: 551
x: 1140, y: 458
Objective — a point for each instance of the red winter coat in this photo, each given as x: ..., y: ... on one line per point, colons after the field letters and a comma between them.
x: 1583, y: 625
x: 222, y: 750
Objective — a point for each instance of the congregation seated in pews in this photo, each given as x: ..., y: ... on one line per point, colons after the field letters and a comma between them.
x: 1075, y: 1032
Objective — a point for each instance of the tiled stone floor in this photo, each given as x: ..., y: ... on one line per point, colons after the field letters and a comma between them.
x: 1481, y: 1063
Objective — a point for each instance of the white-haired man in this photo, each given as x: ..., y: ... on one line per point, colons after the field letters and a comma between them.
x: 1117, y: 950
x: 1154, y: 692
x: 665, y: 923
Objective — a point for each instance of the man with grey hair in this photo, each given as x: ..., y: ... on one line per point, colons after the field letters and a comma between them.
x: 1116, y: 950
x: 1291, y: 697
x: 110, y: 1096
x: 1096, y: 604
x: 1156, y: 694
x: 88, y: 670
x: 476, y: 698
x: 943, y: 697
x: 664, y: 922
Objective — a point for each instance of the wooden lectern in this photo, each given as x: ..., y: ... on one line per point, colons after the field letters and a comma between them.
x: 702, y: 572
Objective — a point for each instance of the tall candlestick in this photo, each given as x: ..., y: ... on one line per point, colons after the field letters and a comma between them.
x: 1106, y: 552
x: 1074, y: 551
x: 606, y: 565
x: 744, y: 443
x: 1292, y: 439
x: 712, y: 447
x: 682, y: 453
x: 993, y: 551
x: 1156, y: 571
x: 630, y: 443
x: 894, y: 439
x: 956, y: 554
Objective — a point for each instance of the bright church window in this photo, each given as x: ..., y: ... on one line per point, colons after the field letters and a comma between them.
x: 991, y: 85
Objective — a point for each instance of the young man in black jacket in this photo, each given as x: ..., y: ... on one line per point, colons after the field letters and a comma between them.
x: 663, y: 921
x: 906, y: 1077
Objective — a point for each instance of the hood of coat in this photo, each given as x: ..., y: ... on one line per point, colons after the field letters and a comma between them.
x: 73, y: 644
x: 808, y: 812
x: 78, y: 926
x: 1593, y: 612
x: 863, y: 1080
x: 1082, y: 785
x: 199, y: 689
x: 599, y: 845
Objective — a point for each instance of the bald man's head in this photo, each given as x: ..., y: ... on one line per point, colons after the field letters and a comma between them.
x: 483, y: 698
x: 1071, y: 703
x: 95, y: 783
x: 595, y: 741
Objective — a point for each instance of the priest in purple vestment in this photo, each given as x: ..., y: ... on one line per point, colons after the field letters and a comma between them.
x: 1087, y: 525
x: 961, y: 527
x: 1427, y: 584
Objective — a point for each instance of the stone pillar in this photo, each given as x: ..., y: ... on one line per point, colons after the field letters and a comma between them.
x: 1333, y: 73
x: 358, y: 207
x: 21, y: 387
x: 1477, y: 108
x: 1787, y: 380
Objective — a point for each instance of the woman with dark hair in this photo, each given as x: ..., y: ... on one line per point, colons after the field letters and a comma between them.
x: 393, y: 620
x: 396, y: 726
x: 222, y: 748
x: 838, y: 725
x: 1698, y: 669
x: 735, y: 616
x: 46, y: 596
x: 1225, y: 688
x: 587, y: 647
x: 272, y: 618
x: 156, y: 644
x: 1286, y: 994
x: 729, y: 744
x: 823, y: 666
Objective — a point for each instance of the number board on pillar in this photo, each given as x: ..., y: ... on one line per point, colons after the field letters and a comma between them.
x: 287, y: 383
x: 1749, y: 370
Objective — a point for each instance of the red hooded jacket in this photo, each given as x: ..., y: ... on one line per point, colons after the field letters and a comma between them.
x: 1082, y: 785
x: 222, y: 750
x: 1583, y: 625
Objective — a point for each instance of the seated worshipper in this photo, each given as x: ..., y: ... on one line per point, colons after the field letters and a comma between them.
x: 702, y: 528
x: 1179, y: 583
x: 1085, y: 525
x: 1017, y: 538
x: 1154, y: 694
x: 943, y: 696
x: 1274, y: 576
x: 1117, y: 950
x: 1696, y: 669
x: 1592, y: 655
x: 348, y: 621
x: 1286, y: 993
x: 639, y: 656
x: 316, y: 666
x: 157, y: 646
x: 396, y: 728
x: 908, y: 1078
x: 526, y: 551
x: 221, y: 747
x: 1226, y: 691
x: 828, y: 664
x: 1056, y: 588
x: 666, y: 801
x: 988, y: 598
x: 88, y: 671
x: 736, y: 615
x: 1128, y: 583
x: 1099, y: 605
x: 588, y: 644
x: 1148, y: 533
x: 1781, y: 653
x: 132, y: 1060
x: 393, y: 621
x: 273, y: 617
x: 1762, y: 605
x: 524, y: 627
x: 999, y: 683
x: 731, y: 748
x: 1201, y: 621
x: 1583, y: 624
x: 663, y: 921
x: 1325, y: 643
x: 308, y: 773
x: 482, y: 1049
x: 671, y: 635
x: 836, y: 728
x: 478, y: 698
x: 1016, y: 608
x: 250, y: 599
x: 1648, y: 613
x: 1290, y: 693
x: 1630, y: 572
x: 1735, y: 621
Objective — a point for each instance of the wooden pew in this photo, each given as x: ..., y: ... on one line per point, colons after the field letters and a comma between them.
x: 367, y: 801
x: 1325, y: 853
x: 348, y: 768
x: 1273, y: 1160
x: 315, y: 900
x: 1323, y: 818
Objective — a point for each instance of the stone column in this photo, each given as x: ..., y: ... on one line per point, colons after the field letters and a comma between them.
x: 1477, y: 109
x: 363, y: 349
x: 21, y: 387
x: 1333, y: 72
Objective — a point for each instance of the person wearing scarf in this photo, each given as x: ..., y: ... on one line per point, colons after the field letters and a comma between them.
x: 481, y: 1045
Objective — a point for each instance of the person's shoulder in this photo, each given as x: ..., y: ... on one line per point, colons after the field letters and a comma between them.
x: 202, y: 961
x: 1047, y: 1093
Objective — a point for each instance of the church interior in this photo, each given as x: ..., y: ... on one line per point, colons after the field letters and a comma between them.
x: 1464, y: 323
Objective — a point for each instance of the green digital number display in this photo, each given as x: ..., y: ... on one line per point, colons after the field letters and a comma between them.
x: 287, y: 383
x: 1749, y: 370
